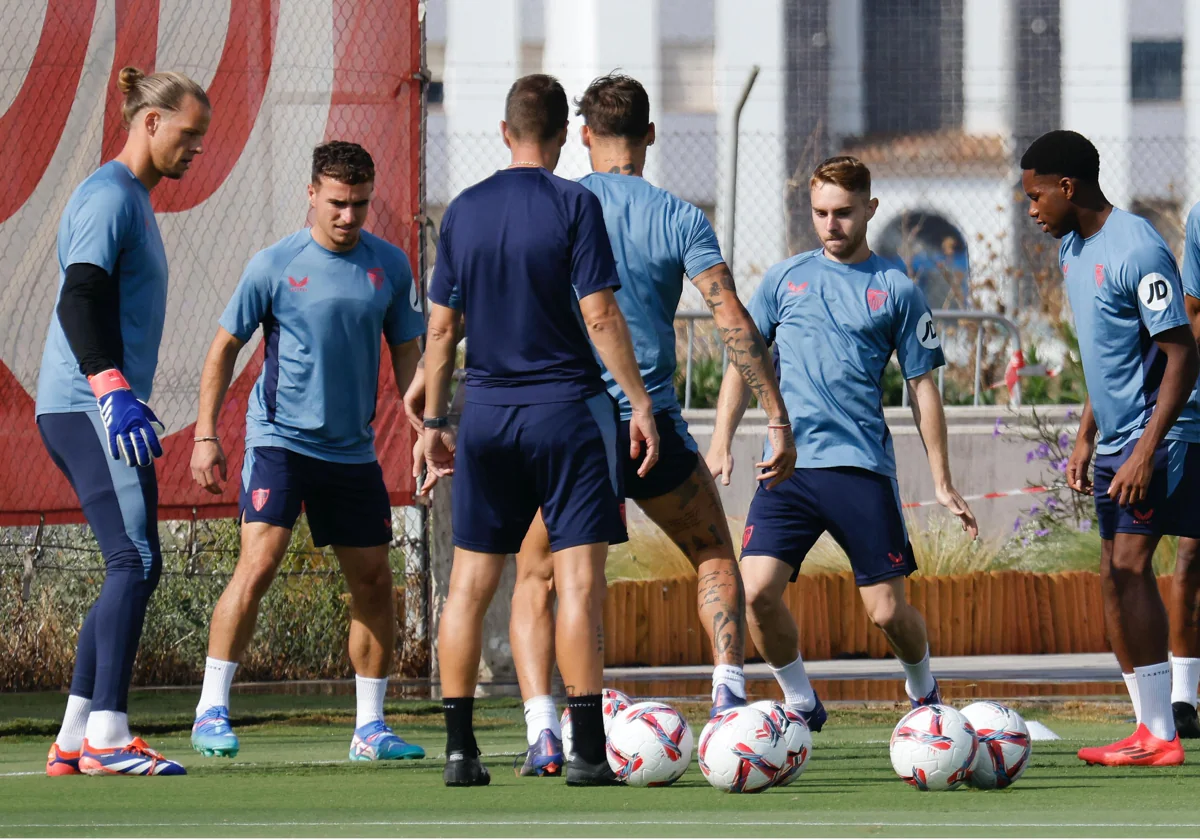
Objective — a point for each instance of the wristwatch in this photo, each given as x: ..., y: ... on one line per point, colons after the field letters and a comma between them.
x: 437, y: 422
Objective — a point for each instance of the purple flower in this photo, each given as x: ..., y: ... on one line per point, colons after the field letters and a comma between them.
x: 1060, y: 465
x: 1030, y: 455
x: 1085, y: 525
x: 1034, y: 509
x: 1041, y: 532
x: 1025, y: 542
x: 1017, y: 525
x: 1052, y: 504
x: 1043, y: 450
x: 996, y: 429
x: 1070, y: 415
x: 1064, y: 441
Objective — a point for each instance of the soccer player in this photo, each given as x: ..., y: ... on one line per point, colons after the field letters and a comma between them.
x: 1185, y: 591
x: 1141, y: 419
x: 323, y: 297
x: 656, y: 238
x: 524, y: 262
x: 96, y: 375
x: 835, y: 315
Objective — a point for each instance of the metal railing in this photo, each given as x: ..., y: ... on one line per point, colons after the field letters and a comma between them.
x: 943, y: 315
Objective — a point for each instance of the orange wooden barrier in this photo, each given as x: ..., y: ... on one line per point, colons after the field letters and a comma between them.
x: 655, y: 622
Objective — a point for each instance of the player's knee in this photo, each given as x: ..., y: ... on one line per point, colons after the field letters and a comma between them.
x: 1127, y: 565
x: 1187, y: 563
x: 886, y: 614
x: 370, y: 581
x: 533, y: 595
x: 762, y: 600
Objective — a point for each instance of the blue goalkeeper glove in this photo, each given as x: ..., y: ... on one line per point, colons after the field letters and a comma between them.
x: 132, y: 428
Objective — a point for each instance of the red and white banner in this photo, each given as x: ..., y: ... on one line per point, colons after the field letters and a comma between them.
x: 282, y: 77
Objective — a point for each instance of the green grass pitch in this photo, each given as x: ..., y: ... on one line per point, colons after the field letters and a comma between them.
x: 292, y: 779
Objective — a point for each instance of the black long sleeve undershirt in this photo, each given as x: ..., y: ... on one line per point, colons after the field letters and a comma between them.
x: 89, y: 310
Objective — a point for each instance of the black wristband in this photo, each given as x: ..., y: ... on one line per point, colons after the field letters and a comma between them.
x: 437, y: 422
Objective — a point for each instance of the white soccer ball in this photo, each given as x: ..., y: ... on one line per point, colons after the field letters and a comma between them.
x: 1004, y: 745
x: 649, y: 745
x: 613, y: 702
x: 742, y: 751
x: 796, y: 737
x: 933, y: 748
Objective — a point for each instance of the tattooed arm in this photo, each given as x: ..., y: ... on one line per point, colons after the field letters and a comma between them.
x: 749, y: 362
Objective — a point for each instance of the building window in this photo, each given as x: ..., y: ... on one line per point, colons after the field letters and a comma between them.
x: 687, y: 78
x: 1156, y: 71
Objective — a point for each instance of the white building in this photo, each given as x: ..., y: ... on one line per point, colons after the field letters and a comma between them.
x: 938, y: 96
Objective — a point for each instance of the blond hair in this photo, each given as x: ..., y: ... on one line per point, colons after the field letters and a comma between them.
x: 164, y: 90
x: 844, y: 171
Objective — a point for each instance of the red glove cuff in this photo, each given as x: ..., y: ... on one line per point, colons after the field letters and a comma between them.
x: 107, y: 381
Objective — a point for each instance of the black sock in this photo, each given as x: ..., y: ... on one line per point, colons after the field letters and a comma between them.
x: 588, y: 722
x: 460, y: 733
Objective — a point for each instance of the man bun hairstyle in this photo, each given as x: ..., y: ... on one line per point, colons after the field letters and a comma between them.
x: 163, y: 91
x: 1065, y: 153
x: 347, y: 163
x: 536, y: 108
x: 615, y: 106
x: 844, y: 171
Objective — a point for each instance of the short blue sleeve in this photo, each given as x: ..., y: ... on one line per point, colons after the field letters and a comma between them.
x: 914, y: 333
x: 99, y: 225
x: 1149, y: 273
x: 701, y: 251
x: 764, y: 306
x: 593, y: 268
x: 1191, y: 254
x: 443, y: 288
x: 403, y: 321
x: 251, y: 299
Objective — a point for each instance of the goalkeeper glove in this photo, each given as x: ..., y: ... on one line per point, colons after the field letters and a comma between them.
x: 131, y: 426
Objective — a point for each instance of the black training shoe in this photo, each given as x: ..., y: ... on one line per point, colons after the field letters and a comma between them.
x: 465, y: 771
x: 1187, y: 724
x: 582, y: 774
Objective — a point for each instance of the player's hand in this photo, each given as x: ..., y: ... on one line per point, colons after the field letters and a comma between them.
x: 782, y: 463
x: 414, y: 403
x: 950, y: 499
x: 1077, y: 467
x: 643, y: 430
x: 1132, y: 481
x: 131, y: 426
x: 418, y: 456
x: 720, y: 464
x: 439, y: 456
x: 208, y: 465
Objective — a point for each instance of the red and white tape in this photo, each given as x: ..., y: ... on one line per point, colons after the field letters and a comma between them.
x: 1024, y: 491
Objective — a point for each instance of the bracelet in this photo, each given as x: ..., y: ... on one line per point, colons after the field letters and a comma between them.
x: 436, y: 422
x: 779, y: 425
x: 204, y: 438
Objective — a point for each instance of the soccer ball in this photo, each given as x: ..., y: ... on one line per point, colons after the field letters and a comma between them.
x: 742, y: 750
x: 1004, y: 745
x: 933, y: 747
x: 649, y: 745
x: 796, y: 736
x: 613, y: 702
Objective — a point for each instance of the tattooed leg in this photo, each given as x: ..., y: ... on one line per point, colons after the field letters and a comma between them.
x: 692, y: 516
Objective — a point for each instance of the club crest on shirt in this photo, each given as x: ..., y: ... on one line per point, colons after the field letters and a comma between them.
x: 876, y: 299
x: 376, y: 277
x: 1099, y: 276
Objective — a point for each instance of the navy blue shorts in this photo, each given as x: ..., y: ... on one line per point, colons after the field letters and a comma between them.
x: 859, y: 508
x: 513, y: 459
x: 677, y: 457
x: 346, y: 504
x: 1172, y: 503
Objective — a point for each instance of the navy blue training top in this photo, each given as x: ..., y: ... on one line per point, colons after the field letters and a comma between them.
x: 515, y: 254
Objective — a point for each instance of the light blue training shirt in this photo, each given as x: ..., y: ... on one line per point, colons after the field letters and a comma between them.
x: 322, y: 314
x: 109, y: 223
x: 834, y: 328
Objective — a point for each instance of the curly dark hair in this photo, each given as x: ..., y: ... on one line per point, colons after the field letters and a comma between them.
x: 615, y: 106
x: 347, y: 163
x: 1066, y: 153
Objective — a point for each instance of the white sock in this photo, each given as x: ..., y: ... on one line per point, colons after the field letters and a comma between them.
x: 370, y: 693
x: 1154, y: 693
x: 919, y: 679
x: 540, y: 714
x: 218, y: 677
x: 108, y: 729
x: 74, y: 725
x: 1132, y: 686
x: 730, y: 676
x: 1185, y: 675
x: 797, y: 690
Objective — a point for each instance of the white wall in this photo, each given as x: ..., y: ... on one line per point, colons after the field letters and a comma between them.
x: 988, y: 78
